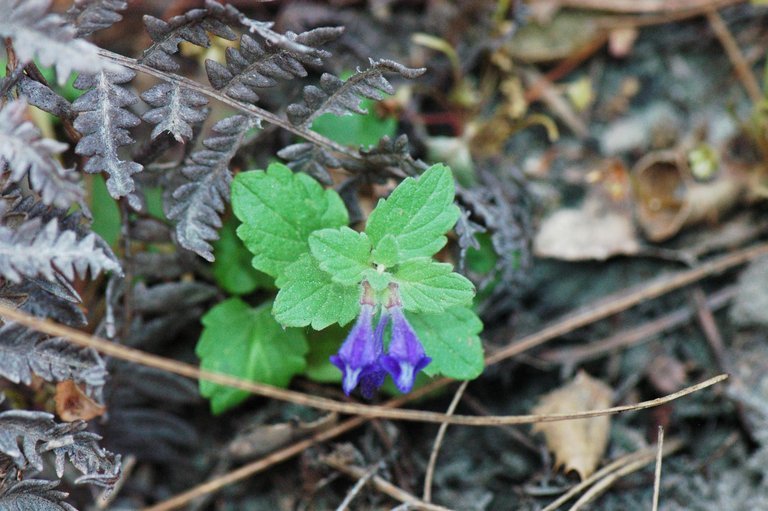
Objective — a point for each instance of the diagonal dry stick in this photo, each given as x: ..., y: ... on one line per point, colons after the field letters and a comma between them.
x: 290, y: 396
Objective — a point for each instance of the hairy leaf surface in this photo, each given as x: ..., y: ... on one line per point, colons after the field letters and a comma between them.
x: 47, y: 37
x: 451, y: 339
x: 33, y: 495
x: 254, y: 66
x: 197, y: 204
x: 343, y: 253
x: 308, y: 296
x: 24, y: 352
x: 176, y: 110
x: 418, y: 214
x: 104, y: 120
x: 332, y: 95
x: 26, y: 154
x: 89, y: 16
x: 428, y: 286
x: 192, y: 27
x: 279, y: 210
x: 35, y: 248
x: 249, y: 343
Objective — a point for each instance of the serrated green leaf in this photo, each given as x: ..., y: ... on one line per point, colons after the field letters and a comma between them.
x: 377, y: 281
x: 247, y: 342
x: 428, y: 286
x: 308, y: 296
x: 232, y: 267
x: 451, y: 339
x: 386, y: 252
x: 279, y: 210
x: 417, y: 214
x: 343, y: 253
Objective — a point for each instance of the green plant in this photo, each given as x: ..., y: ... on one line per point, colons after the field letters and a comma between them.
x: 328, y: 273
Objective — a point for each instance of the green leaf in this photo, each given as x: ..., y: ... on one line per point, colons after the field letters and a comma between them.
x: 386, y: 251
x: 451, y: 339
x: 356, y: 130
x: 343, y: 253
x: 322, y: 345
x: 428, y: 286
x: 105, y: 211
x: 247, y: 342
x: 279, y: 210
x: 417, y: 214
x: 377, y: 281
x: 308, y: 296
x: 232, y: 267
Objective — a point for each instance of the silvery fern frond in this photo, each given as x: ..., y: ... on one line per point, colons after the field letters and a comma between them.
x: 311, y: 159
x: 253, y: 66
x: 33, y: 495
x: 44, y: 98
x: 24, y: 352
x: 25, y: 436
x: 103, y: 120
x: 341, y: 97
x: 192, y: 27
x: 89, y: 16
x: 176, y: 110
x: 34, y: 248
x: 48, y: 37
x: 70, y: 442
x: 45, y: 300
x: 197, y: 204
x: 25, y: 153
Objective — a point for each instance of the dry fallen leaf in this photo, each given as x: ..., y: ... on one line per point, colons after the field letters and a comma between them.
x: 590, y: 232
x: 72, y: 404
x: 577, y: 444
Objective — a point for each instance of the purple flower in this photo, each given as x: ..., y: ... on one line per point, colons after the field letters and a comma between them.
x: 406, y: 355
x: 374, y: 376
x: 358, y: 357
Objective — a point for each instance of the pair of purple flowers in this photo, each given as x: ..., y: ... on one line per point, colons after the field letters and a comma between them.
x: 361, y: 358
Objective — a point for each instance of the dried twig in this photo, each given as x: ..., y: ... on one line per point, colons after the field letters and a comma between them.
x: 601, y: 480
x: 253, y: 110
x: 430, y: 472
x: 358, y: 486
x: 635, y: 335
x: 383, y: 485
x: 740, y: 65
x: 299, y: 398
x: 657, y: 471
x: 604, y: 484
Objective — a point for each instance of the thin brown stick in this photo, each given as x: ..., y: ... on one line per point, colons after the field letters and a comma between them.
x: 616, y: 303
x: 361, y: 481
x: 290, y: 396
x: 605, y: 483
x: 740, y: 65
x: 643, y: 455
x: 635, y: 335
x: 430, y: 472
x: 250, y: 109
x: 383, y: 486
x: 657, y: 471
x: 708, y: 323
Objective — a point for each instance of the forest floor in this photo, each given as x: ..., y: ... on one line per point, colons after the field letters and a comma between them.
x: 622, y: 145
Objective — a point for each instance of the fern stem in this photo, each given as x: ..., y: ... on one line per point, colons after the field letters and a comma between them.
x: 252, y: 110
